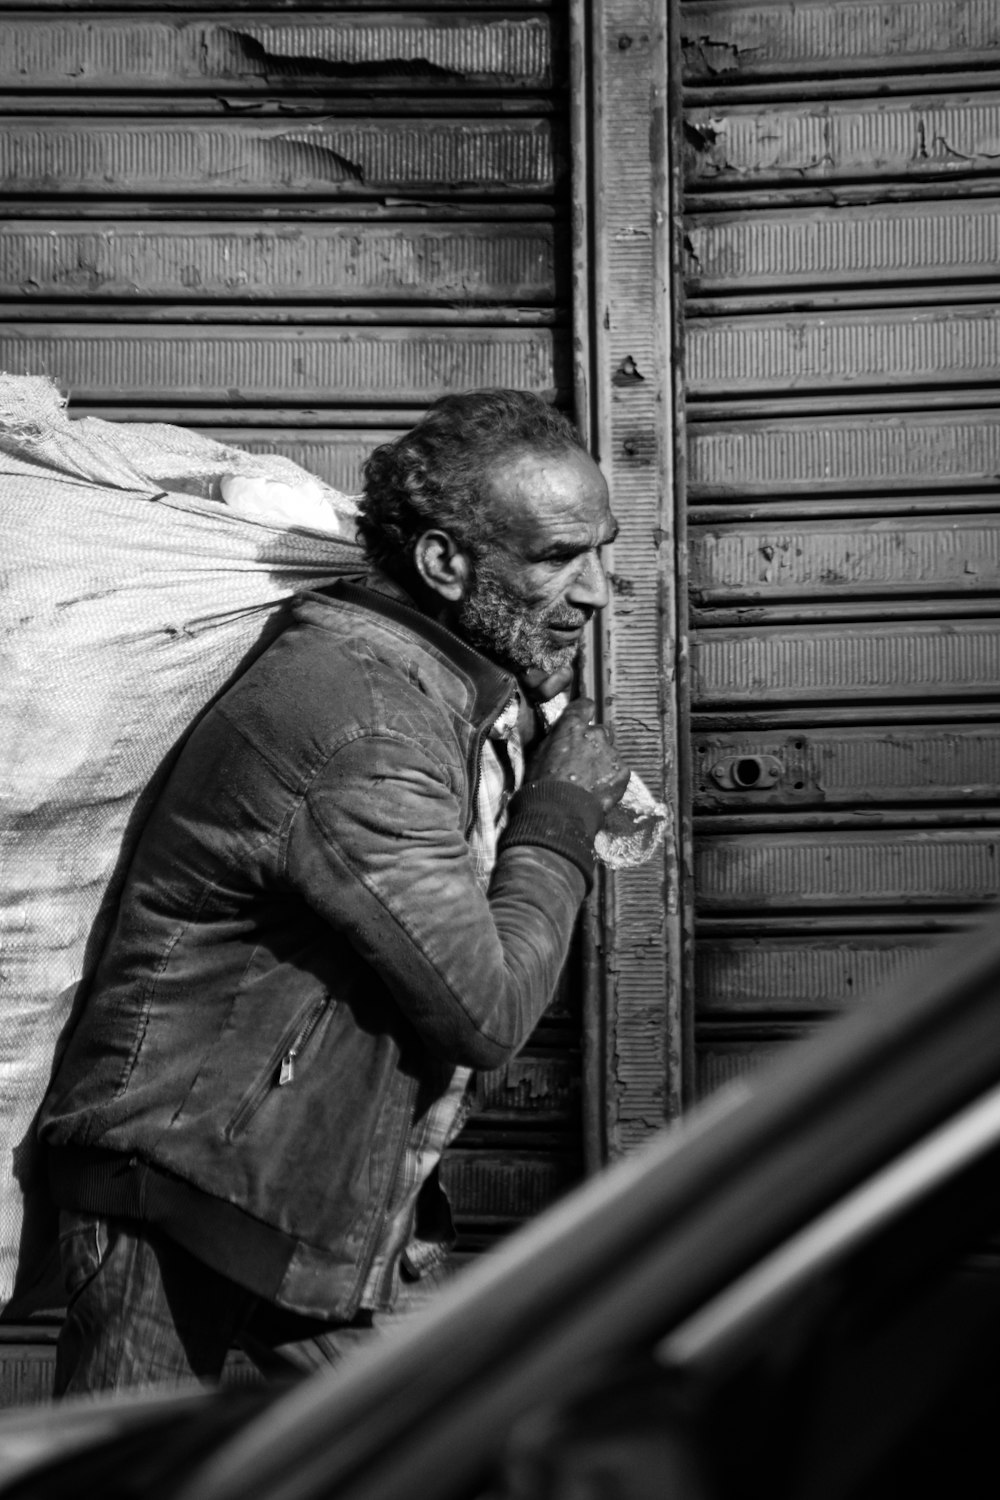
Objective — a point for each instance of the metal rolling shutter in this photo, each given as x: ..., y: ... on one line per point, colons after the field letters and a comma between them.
x: 842, y: 240
x: 291, y: 227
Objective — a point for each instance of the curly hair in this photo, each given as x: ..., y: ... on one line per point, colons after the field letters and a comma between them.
x: 436, y: 474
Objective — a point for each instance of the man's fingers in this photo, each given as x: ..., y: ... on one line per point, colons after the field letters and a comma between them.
x: 612, y: 789
x: 579, y: 750
x: 540, y: 685
x: 581, y: 708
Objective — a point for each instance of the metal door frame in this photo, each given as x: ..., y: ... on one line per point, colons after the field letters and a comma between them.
x: 626, y: 244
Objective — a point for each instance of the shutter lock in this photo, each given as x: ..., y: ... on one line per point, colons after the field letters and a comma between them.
x: 747, y: 773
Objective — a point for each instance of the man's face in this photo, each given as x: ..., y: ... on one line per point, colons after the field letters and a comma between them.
x: 538, y: 585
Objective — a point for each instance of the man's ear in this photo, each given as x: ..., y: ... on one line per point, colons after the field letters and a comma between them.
x: 442, y: 564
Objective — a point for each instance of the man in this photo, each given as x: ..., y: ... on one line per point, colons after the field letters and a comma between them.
x: 358, y: 884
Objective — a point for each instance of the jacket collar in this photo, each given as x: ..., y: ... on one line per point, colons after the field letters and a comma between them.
x: 492, y: 686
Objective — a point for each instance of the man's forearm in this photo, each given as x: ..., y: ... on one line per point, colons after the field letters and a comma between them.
x: 389, y: 867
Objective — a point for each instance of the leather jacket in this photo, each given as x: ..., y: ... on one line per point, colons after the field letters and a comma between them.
x: 302, y: 951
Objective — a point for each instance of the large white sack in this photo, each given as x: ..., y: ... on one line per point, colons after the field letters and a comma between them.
x: 130, y: 598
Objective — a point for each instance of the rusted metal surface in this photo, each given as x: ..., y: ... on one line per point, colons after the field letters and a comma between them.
x: 840, y: 247
x: 596, y: 990
x: 851, y: 454
x: 849, y: 246
x: 252, y: 157
x: 240, y: 6
x: 533, y: 1089
x: 821, y: 403
x: 740, y: 719
x: 260, y: 50
x: 810, y: 351
x: 292, y: 227
x: 28, y: 1360
x: 326, y: 263
x: 846, y: 559
x: 794, y: 511
x: 324, y: 365
x: 837, y: 611
x: 259, y: 314
x: 835, y: 870
x: 336, y: 456
x: 639, y: 1038
x: 808, y: 767
x: 495, y: 1187
x: 862, y: 663
x: 727, y: 41
x: 725, y: 1059
x: 840, y: 140
x: 800, y: 975
x: 26, y: 1370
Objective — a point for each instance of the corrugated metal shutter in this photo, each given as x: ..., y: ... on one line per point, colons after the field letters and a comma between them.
x: 291, y: 227
x: 842, y: 239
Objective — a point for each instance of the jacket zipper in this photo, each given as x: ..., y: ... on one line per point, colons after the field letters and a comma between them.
x: 475, y: 766
x: 284, y: 1062
x: 286, y: 1071
x: 475, y: 772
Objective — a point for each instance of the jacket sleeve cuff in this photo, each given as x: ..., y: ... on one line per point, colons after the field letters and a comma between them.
x: 556, y: 815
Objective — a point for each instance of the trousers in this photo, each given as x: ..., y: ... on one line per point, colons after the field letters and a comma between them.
x: 143, y: 1312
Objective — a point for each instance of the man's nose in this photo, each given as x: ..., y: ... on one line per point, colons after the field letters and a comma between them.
x: 589, y: 589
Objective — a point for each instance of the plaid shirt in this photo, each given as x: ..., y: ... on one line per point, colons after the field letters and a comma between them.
x: 501, y: 770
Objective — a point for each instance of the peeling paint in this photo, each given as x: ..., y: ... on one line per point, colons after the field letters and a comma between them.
x: 705, y: 55
x: 702, y: 137
x: 627, y: 373
x: 177, y: 155
x: 640, y: 448
x: 942, y: 148
x: 322, y: 160
x: 693, y: 258
x: 621, y: 587
x: 836, y: 39
x: 843, y: 140
x: 280, y: 66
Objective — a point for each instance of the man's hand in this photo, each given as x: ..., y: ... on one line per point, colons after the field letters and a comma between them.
x: 578, y: 750
x: 539, y: 686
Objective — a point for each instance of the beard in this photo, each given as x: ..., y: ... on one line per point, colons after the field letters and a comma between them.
x: 497, y: 620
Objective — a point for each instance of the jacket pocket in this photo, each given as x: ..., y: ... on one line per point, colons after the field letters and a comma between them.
x: 282, y: 1066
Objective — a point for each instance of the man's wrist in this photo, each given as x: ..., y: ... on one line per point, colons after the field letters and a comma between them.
x: 556, y: 814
